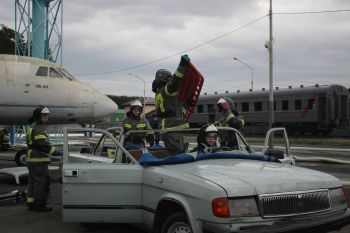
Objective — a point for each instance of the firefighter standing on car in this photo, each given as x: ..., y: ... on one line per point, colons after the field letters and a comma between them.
x: 169, y: 110
x: 232, y: 118
x: 134, y: 121
x: 37, y: 159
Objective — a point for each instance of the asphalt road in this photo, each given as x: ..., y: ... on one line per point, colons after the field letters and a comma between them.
x: 15, y: 218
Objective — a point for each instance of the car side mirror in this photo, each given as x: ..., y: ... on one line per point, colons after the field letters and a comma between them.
x: 279, y: 154
x: 85, y: 150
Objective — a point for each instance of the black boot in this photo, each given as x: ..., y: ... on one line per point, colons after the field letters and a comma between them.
x: 42, y: 209
x: 30, y: 206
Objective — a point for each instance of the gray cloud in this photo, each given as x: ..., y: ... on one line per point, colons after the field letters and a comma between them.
x: 111, y: 35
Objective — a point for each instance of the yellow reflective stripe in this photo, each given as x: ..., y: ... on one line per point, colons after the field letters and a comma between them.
x: 243, y: 122
x: 168, y: 93
x: 30, y: 200
x: 148, y: 133
x: 40, y: 136
x: 183, y: 126
x: 160, y: 102
x: 38, y: 160
x: 163, y: 123
x: 52, y: 150
x: 229, y: 117
x: 127, y: 126
x: 141, y: 125
x: 29, y: 152
x: 179, y: 74
x: 30, y: 136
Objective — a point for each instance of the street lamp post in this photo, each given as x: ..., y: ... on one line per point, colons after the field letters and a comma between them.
x: 144, y: 90
x: 249, y: 67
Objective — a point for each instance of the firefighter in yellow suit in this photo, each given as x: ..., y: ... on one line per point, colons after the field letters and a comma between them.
x: 134, y: 121
x: 37, y: 159
x: 169, y: 110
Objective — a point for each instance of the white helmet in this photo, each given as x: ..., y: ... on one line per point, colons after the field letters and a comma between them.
x: 203, y: 132
x: 135, y: 103
x: 221, y: 100
x: 210, y: 128
x: 45, y: 111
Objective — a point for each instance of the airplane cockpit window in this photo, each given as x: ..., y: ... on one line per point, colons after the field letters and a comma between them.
x: 66, y: 74
x: 54, y: 73
x: 42, y: 71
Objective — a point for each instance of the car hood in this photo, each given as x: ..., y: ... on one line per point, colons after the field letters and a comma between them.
x: 249, y: 177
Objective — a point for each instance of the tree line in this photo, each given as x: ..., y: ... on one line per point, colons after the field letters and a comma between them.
x: 123, y: 99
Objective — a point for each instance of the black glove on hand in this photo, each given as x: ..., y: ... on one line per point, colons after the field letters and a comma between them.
x: 185, y: 59
x: 149, y: 137
x: 234, y: 111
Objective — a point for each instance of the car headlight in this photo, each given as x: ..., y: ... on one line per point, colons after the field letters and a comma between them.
x: 236, y: 207
x: 241, y: 207
x: 337, y: 197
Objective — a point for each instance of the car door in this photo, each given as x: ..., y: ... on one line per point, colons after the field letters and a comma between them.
x: 100, y: 190
x: 277, y: 145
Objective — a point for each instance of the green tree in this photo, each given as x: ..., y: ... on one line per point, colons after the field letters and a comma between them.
x: 8, y: 41
x: 122, y: 99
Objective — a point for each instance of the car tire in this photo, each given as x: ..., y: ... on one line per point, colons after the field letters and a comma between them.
x: 20, y: 157
x: 176, y: 223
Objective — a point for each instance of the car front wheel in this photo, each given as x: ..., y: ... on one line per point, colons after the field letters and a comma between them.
x: 20, y: 157
x: 176, y: 223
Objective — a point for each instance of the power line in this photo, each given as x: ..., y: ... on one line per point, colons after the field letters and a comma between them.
x: 212, y: 40
x: 310, y: 12
x: 178, y: 53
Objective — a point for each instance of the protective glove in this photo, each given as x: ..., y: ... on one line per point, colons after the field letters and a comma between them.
x: 223, y: 105
x: 185, y: 59
x: 149, y: 137
x: 59, y: 153
x: 235, y: 112
x: 217, y: 123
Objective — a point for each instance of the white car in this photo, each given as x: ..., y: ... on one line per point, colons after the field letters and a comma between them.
x: 229, y: 191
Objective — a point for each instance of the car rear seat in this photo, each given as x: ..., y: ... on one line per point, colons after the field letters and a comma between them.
x: 158, y: 153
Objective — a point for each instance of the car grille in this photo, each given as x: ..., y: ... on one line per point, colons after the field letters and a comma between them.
x: 293, y: 203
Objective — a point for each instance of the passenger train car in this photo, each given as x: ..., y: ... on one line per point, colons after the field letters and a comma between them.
x: 312, y: 110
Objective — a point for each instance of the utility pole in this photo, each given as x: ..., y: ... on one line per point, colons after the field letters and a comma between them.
x: 270, y: 48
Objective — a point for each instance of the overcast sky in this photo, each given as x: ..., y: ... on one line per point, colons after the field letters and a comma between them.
x: 102, y: 36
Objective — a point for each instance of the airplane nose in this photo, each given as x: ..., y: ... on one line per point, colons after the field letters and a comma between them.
x: 103, y: 107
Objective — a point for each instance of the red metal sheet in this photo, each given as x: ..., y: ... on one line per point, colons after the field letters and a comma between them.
x: 190, y: 88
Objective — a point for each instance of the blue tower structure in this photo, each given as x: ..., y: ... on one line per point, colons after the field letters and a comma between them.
x: 39, y: 22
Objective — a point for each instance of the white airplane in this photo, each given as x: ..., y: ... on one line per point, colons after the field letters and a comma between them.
x: 26, y: 82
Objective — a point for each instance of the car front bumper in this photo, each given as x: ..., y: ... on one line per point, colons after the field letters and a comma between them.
x: 321, y: 222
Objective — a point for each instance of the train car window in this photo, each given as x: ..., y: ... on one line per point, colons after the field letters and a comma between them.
x: 245, y: 107
x: 257, y: 106
x: 211, y: 108
x: 297, y: 104
x: 54, y: 73
x: 199, y: 108
x: 285, y: 106
x: 310, y: 104
x: 42, y: 71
